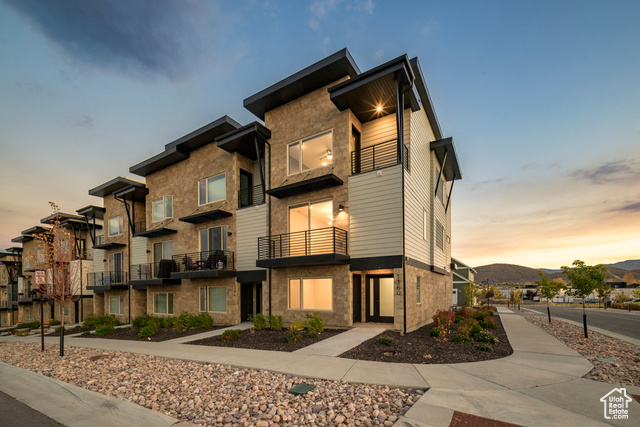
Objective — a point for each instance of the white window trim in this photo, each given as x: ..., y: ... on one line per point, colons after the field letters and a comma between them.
x: 173, y: 309
x: 207, y: 193
x: 301, y: 294
x: 226, y: 303
x: 289, y: 173
x: 309, y: 203
x: 163, y: 199
x: 120, y: 304
x: 109, y: 228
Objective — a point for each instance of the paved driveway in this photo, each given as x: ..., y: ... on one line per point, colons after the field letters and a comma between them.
x: 623, y: 323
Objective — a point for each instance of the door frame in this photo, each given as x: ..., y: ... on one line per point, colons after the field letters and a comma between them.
x: 357, y: 298
x: 246, y: 289
x: 376, y: 310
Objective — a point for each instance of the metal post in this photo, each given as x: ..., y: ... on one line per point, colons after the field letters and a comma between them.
x: 41, y: 323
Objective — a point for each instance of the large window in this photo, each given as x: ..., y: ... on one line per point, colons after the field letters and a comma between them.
x: 213, y: 299
x: 115, y: 268
x: 162, y: 250
x: 213, y: 239
x: 310, y: 153
x: 116, y: 305
x: 212, y: 189
x: 163, y: 303
x: 163, y: 208
x: 116, y: 225
x: 311, y: 294
x: 311, y: 216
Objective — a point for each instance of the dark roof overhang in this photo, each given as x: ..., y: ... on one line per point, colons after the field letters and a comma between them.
x: 451, y: 168
x: 180, y: 149
x: 22, y: 239
x: 13, y: 249
x: 243, y: 140
x: 132, y: 192
x: 365, y: 92
x: 306, y: 186
x: 316, y: 76
x: 205, y: 216
x: 156, y: 232
x: 79, y: 224
x: 36, y: 229
x: 61, y: 216
x: 109, y: 245
x: 115, y: 184
x: 421, y: 86
x: 91, y: 211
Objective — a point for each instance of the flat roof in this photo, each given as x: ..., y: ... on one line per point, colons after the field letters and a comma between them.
x: 451, y: 168
x: 115, y: 184
x: 61, y: 215
x: 324, y: 72
x: 92, y: 211
x: 36, y: 229
x: 242, y: 140
x: 22, y: 239
x: 421, y: 86
x: 14, y: 249
x: 181, y: 148
x: 132, y: 192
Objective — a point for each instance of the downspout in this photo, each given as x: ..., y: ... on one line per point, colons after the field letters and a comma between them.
x: 269, y: 223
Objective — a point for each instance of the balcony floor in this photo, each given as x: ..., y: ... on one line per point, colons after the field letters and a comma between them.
x: 203, y: 274
x: 305, y: 260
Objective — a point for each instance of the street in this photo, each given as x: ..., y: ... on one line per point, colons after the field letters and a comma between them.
x: 15, y: 413
x: 617, y: 321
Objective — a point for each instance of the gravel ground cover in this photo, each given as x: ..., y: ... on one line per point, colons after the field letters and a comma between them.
x: 626, y: 369
x: 163, y: 334
x: 267, y: 339
x: 214, y: 394
x: 419, y: 347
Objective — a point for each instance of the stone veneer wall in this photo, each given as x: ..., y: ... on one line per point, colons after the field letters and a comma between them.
x: 436, y: 293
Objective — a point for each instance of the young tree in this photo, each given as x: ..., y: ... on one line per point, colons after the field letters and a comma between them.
x: 603, y: 291
x: 548, y: 289
x: 62, y: 281
x: 621, y: 297
x: 469, y: 291
x: 636, y: 293
x: 584, y: 279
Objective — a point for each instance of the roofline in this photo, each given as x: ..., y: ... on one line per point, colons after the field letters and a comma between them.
x: 362, y: 78
x: 121, y: 180
x: 421, y: 85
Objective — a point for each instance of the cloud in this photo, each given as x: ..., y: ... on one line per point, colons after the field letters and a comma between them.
x: 143, y: 37
x: 610, y: 172
x: 83, y: 122
x: 629, y: 207
x: 430, y: 27
x: 320, y: 9
x: 378, y: 55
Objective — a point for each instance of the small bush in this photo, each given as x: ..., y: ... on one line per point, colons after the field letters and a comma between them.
x: 385, y: 340
x: 458, y: 319
x: 461, y: 339
x: 177, y: 329
x: 231, y: 334
x: 275, y: 323
x: 195, y: 321
x: 486, y: 337
x: 102, y: 330
x: 484, y: 347
x: 488, y: 323
x: 148, y: 331
x: 55, y: 322
x: 95, y: 321
x: 28, y: 325
x: 259, y: 321
x: 168, y: 322
x: 437, y: 332
x: 315, y: 323
x: 312, y: 333
x: 481, y: 315
x: 443, y: 319
x: 295, y: 332
x: 140, y: 321
x: 85, y: 334
x: 463, y: 312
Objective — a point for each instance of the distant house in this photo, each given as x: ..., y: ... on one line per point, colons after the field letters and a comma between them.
x: 462, y: 275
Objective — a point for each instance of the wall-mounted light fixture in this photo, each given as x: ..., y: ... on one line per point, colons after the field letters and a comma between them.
x: 379, y: 108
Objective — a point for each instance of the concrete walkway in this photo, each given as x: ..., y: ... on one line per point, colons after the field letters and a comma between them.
x: 540, y: 384
x: 345, y: 341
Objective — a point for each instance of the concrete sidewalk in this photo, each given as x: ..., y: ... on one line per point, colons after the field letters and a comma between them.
x: 345, y: 341
x: 75, y: 406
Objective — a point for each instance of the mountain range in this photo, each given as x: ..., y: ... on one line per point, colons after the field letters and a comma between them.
x: 624, y: 271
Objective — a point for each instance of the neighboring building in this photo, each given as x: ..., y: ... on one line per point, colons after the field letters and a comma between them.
x: 10, y: 271
x: 123, y: 212
x: 462, y: 276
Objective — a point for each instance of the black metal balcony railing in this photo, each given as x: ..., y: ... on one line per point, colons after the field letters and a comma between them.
x: 157, y: 270
x: 139, y: 227
x: 107, y: 278
x: 250, y: 196
x: 207, y: 260
x: 377, y: 157
x: 302, y: 243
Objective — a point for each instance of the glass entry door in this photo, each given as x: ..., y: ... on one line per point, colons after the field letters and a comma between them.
x: 380, y: 299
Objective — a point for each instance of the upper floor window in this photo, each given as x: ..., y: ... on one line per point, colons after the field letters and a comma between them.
x: 163, y: 208
x: 116, y: 225
x: 212, y: 189
x: 213, y: 239
x: 310, y: 153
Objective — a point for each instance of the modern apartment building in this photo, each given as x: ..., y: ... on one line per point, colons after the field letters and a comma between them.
x: 10, y: 271
x: 462, y: 275
x: 340, y: 204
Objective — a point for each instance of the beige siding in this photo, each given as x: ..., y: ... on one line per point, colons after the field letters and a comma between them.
x: 78, y: 271
x: 418, y: 192
x: 139, y: 250
x: 441, y: 258
x: 384, y: 129
x: 375, y: 209
x: 251, y: 223
x: 99, y: 256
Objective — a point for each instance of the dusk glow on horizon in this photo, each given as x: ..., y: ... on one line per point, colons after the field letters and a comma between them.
x: 541, y: 99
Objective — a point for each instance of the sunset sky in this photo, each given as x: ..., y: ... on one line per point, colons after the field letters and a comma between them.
x: 542, y: 100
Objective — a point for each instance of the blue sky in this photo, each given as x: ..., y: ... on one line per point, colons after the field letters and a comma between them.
x: 541, y: 98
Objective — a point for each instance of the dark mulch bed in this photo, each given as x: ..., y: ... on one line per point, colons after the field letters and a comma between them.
x: 267, y: 339
x: 67, y: 331
x: 419, y: 347
x: 163, y: 334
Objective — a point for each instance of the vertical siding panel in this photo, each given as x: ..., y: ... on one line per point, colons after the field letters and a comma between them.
x: 139, y: 250
x: 251, y: 223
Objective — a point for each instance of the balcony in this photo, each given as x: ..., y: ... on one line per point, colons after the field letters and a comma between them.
x: 323, y: 246
x: 101, y: 244
x: 252, y: 196
x: 207, y: 264
x: 106, y: 281
x: 154, y: 274
x: 140, y: 230
x: 377, y: 157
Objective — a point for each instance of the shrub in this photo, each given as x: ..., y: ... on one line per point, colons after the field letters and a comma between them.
x: 485, y: 336
x: 140, y: 321
x: 295, y: 331
x: 481, y: 315
x: 231, y: 334
x: 55, y: 322
x: 461, y: 339
x: 488, y: 323
x: 437, y: 331
x: 148, y: 331
x: 104, y: 330
x: 314, y: 322
x: 85, y: 334
x: 95, y: 321
x: 169, y: 322
x: 458, y: 319
x: 259, y: 321
x: 28, y: 325
x: 312, y: 333
x: 484, y: 347
x: 275, y: 323
x: 443, y: 319
x: 177, y: 328
x: 463, y: 312
x: 385, y: 340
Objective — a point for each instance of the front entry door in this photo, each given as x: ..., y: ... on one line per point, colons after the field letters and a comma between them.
x: 246, y: 301
x: 357, y: 298
x: 380, y: 299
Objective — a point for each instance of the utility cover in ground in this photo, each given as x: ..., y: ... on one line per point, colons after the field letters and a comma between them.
x: 302, y: 388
